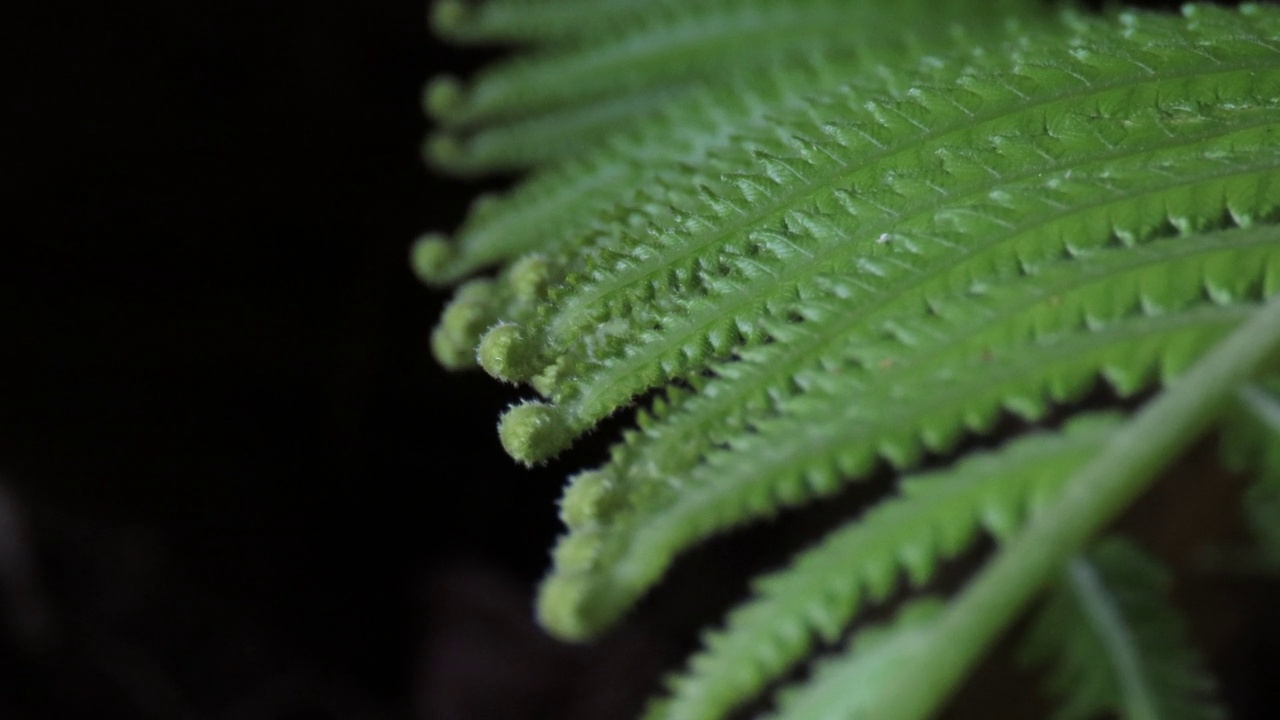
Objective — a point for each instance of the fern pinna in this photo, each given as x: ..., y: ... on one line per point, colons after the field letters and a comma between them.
x: 821, y: 248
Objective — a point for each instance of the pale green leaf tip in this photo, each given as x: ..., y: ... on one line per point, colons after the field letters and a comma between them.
x: 443, y: 96
x: 576, y: 553
x: 506, y: 354
x: 530, y: 276
x: 588, y: 500
x: 429, y: 257
x: 447, y: 16
x: 454, y: 340
x: 559, y: 599
x: 533, y: 432
x: 444, y: 151
x: 483, y: 204
x: 447, y: 351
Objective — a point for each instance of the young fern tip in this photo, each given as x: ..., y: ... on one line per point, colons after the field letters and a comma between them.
x: 589, y: 499
x: 506, y: 354
x: 454, y: 338
x: 534, y: 432
x: 443, y: 96
x: 962, y: 255
x: 447, y: 16
x: 429, y: 257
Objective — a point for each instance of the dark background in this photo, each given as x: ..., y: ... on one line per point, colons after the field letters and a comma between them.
x: 233, y: 482
x: 244, y: 481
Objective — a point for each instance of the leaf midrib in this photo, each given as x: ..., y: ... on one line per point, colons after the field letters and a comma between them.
x: 1100, y: 609
x: 881, y: 533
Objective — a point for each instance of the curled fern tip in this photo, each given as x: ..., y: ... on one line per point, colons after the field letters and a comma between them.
x: 558, y: 599
x: 533, y: 432
x: 530, y: 277
x: 588, y: 500
x: 444, y: 151
x: 505, y: 354
x: 443, y: 96
x: 429, y: 256
x: 447, y: 16
x: 454, y: 340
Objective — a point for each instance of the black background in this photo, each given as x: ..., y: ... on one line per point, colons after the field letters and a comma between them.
x: 234, y: 454
x: 245, y: 488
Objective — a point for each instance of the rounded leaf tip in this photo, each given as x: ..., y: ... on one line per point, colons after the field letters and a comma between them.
x: 560, y: 600
x: 447, y: 16
x: 454, y: 340
x: 443, y: 96
x: 484, y: 205
x: 447, y: 351
x: 444, y: 151
x: 506, y: 354
x: 590, y: 499
x: 533, y: 432
x: 429, y: 257
x: 530, y: 276
x: 576, y: 553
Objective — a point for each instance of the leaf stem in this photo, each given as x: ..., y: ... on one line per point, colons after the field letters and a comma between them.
x: 1099, y: 607
x: 1091, y: 499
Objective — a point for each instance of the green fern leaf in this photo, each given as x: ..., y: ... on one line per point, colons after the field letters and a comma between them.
x: 1116, y: 644
x: 570, y: 200
x: 638, y: 179
x: 814, y: 267
x: 538, y: 21
x: 862, y: 214
x: 1093, y: 497
x: 937, y: 516
x: 1044, y: 278
x: 1049, y: 341
x: 653, y: 161
x: 1251, y: 443
x: 555, y: 102
x: 847, y: 685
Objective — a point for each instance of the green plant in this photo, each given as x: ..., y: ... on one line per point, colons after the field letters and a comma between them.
x: 815, y: 237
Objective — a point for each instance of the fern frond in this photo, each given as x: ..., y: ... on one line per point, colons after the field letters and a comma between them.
x: 816, y: 267
x: 937, y: 516
x: 1092, y: 498
x: 537, y: 21
x: 1007, y: 296
x: 1116, y: 644
x: 543, y: 139
x: 566, y: 201
x: 568, y: 96
x: 847, y: 686
x: 657, y: 164
x: 892, y: 199
x: 646, y: 173
x: 1251, y: 443
x: 1045, y: 344
x: 637, y: 180
x: 665, y: 48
